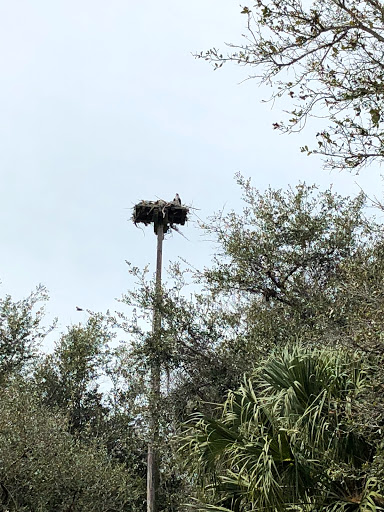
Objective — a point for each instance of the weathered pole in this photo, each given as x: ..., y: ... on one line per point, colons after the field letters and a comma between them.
x: 164, y: 216
x: 153, y: 455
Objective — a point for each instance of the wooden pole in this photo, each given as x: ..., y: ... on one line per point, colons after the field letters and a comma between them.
x: 153, y: 455
x: 163, y: 215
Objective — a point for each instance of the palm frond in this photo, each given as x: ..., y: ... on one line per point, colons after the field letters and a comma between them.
x: 279, y: 434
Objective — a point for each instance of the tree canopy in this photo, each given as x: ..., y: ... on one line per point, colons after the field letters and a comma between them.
x: 326, y: 59
x: 288, y: 316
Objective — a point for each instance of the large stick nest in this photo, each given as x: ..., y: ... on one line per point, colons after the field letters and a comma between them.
x: 169, y: 214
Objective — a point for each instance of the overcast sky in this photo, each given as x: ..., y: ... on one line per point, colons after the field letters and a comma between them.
x: 102, y: 105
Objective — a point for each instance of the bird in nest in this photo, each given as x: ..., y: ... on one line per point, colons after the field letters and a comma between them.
x: 177, y: 199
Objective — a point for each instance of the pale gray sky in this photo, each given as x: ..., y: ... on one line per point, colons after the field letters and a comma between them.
x: 102, y: 105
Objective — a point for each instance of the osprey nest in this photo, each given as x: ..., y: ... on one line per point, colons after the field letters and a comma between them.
x: 167, y: 214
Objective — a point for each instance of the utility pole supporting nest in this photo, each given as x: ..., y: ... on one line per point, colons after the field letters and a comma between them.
x: 164, y: 216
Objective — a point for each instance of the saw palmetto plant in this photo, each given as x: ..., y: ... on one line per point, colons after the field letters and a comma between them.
x: 287, y: 439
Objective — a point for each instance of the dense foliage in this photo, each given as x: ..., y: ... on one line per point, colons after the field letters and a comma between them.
x: 289, y: 314
x: 44, y: 468
x: 290, y: 438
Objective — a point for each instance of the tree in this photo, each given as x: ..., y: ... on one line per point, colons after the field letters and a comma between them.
x: 281, y: 265
x: 289, y: 439
x: 21, y: 332
x: 68, y: 378
x: 326, y: 58
x: 188, y: 345
x: 184, y: 351
x: 44, y: 468
x: 90, y: 383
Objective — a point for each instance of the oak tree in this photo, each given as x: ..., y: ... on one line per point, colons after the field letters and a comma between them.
x: 325, y: 57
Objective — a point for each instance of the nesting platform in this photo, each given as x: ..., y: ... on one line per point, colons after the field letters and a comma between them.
x: 167, y: 214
